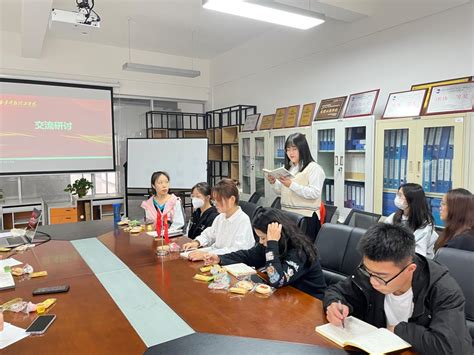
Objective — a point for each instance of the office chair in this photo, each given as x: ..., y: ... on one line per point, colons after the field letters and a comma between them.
x: 330, y: 211
x: 337, y: 249
x: 254, y: 197
x: 361, y: 219
x: 276, y: 203
x: 299, y: 220
x: 459, y: 263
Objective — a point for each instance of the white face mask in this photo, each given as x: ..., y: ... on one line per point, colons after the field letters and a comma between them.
x: 197, y: 202
x: 400, y: 203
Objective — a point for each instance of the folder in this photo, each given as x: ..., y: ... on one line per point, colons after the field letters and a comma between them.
x: 362, y: 192
x: 404, y: 157
x: 333, y: 139
x: 328, y: 194
x: 391, y: 158
x: 442, y: 158
x: 357, y: 199
x: 434, y: 159
x: 332, y: 192
x: 448, y: 165
x: 386, y: 148
x: 346, y: 196
x: 353, y: 196
x: 427, y: 161
x: 398, y: 151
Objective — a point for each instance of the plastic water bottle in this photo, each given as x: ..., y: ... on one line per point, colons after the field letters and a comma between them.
x: 117, y: 217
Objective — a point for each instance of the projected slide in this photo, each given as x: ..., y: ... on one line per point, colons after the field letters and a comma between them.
x: 49, y: 128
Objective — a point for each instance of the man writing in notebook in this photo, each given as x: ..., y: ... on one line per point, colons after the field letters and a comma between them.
x: 412, y: 296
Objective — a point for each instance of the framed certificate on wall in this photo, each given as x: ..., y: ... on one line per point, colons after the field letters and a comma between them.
x: 307, y: 114
x: 330, y: 108
x: 452, y: 98
x: 251, y: 123
x: 267, y: 122
x: 404, y: 104
x: 292, y: 116
x: 361, y: 104
x: 280, y: 116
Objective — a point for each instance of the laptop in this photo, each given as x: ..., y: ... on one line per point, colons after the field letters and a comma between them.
x: 9, y: 241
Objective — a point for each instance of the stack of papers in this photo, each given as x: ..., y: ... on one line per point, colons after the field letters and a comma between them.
x: 10, y: 335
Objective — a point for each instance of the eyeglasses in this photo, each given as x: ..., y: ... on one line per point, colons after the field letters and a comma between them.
x: 379, y: 280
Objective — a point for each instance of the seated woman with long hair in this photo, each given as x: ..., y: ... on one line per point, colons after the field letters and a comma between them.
x: 287, y: 253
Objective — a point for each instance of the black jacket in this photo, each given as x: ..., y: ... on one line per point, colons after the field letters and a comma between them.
x: 293, y: 270
x: 199, y: 221
x: 438, y: 323
x: 464, y: 241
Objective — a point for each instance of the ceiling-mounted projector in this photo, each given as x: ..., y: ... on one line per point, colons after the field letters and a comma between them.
x: 84, y: 20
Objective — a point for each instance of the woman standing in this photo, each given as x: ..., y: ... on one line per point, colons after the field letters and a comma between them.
x: 302, y: 194
x: 457, y: 212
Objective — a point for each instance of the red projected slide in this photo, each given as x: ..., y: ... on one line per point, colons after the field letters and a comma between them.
x: 52, y: 127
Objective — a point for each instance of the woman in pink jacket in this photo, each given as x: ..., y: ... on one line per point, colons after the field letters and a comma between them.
x: 162, y: 202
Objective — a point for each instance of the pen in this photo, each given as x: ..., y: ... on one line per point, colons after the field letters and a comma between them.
x: 342, y: 312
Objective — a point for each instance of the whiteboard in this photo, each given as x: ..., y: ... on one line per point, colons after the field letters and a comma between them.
x: 185, y: 160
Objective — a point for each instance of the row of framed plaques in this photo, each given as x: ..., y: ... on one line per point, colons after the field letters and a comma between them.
x: 440, y: 97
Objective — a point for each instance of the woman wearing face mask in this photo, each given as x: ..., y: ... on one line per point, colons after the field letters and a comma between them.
x: 414, y: 213
x: 289, y: 256
x: 204, y: 213
x: 302, y: 194
x: 230, y: 231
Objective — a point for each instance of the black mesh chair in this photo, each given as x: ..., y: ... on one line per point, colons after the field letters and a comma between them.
x: 337, y: 249
x: 330, y: 211
x: 251, y: 210
x: 361, y: 219
x: 459, y: 262
x: 254, y: 197
x: 276, y: 203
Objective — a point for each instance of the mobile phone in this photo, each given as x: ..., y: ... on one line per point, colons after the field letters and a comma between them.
x: 40, y: 324
x: 51, y: 289
x: 257, y: 279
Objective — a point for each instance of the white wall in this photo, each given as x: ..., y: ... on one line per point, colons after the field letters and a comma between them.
x: 86, y: 61
x: 287, y: 67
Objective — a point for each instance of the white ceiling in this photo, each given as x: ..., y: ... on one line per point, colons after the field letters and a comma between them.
x: 167, y: 26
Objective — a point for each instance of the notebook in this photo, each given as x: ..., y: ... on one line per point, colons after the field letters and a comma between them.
x: 10, y: 241
x: 364, y: 336
x: 240, y: 269
x: 278, y: 173
x: 6, y: 280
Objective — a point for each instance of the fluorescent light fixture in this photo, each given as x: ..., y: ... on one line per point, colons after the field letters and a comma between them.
x: 267, y: 11
x: 154, y: 69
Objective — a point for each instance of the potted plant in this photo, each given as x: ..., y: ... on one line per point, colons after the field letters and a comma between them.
x: 80, y: 187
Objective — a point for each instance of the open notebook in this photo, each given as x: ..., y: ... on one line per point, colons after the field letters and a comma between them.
x: 364, y: 336
x: 185, y: 254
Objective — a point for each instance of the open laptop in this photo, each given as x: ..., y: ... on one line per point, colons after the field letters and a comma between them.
x: 9, y: 241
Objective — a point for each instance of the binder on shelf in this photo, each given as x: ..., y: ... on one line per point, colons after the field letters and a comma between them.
x: 442, y: 158
x: 345, y: 195
x: 362, y: 198
x: 448, y: 164
x: 386, y: 150
x: 354, y: 195
x: 391, y: 158
x: 324, y: 142
x: 332, y: 193
x: 398, y: 150
x: 434, y: 159
x: 430, y: 138
x: 358, y: 198
x: 349, y: 139
x: 404, y: 157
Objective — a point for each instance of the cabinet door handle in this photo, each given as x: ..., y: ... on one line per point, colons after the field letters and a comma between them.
x: 410, y: 166
x: 419, y: 167
x: 336, y: 159
x: 341, y: 160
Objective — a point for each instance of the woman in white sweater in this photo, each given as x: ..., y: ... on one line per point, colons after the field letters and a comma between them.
x: 231, y: 229
x: 302, y: 194
x: 414, y: 213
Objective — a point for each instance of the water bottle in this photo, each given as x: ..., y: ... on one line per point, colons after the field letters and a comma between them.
x: 117, y: 217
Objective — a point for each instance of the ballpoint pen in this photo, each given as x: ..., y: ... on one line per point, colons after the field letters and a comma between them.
x: 342, y: 312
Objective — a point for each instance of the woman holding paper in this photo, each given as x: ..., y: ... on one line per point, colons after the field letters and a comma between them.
x: 230, y: 231
x: 302, y: 194
x: 289, y: 256
x: 163, y: 205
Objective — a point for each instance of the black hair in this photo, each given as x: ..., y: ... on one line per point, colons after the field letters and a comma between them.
x: 299, y: 141
x: 155, y: 176
x: 419, y: 213
x: 291, y: 235
x: 203, y: 188
x: 225, y: 188
x: 387, y: 242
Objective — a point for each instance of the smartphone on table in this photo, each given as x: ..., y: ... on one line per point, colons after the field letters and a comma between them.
x: 41, y: 324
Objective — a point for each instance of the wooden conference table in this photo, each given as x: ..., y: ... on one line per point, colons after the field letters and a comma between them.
x: 88, y: 320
